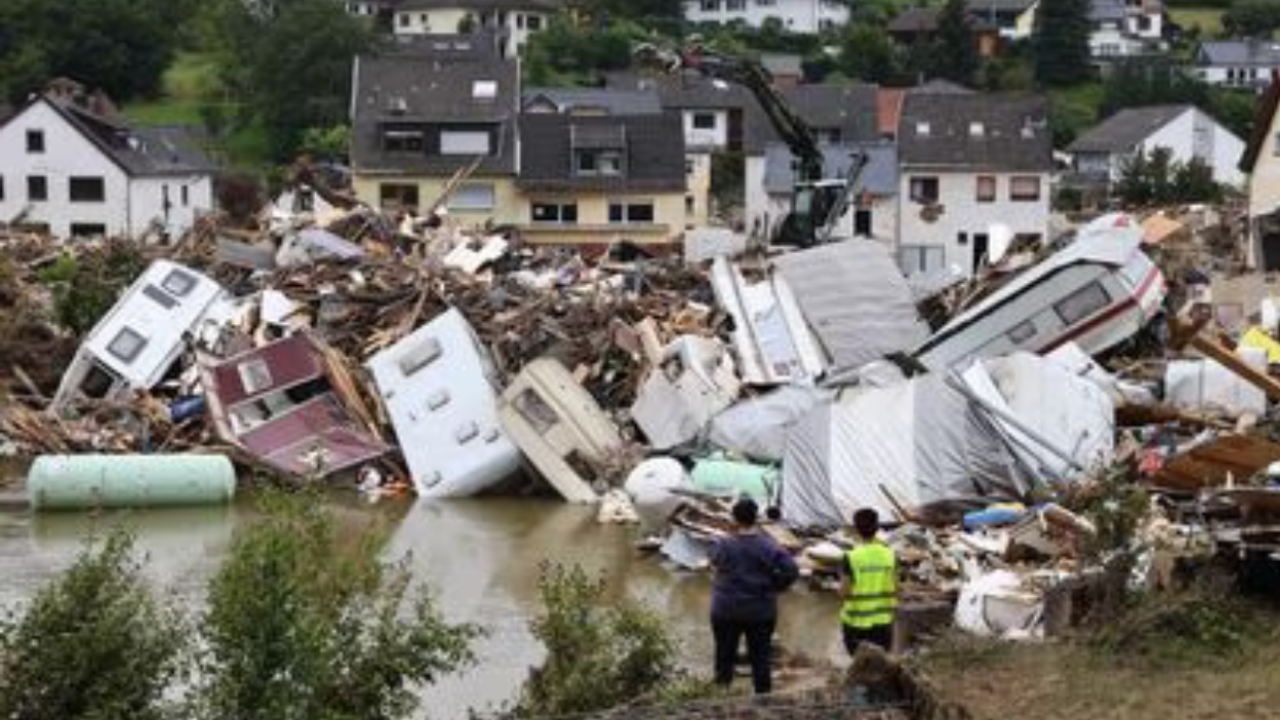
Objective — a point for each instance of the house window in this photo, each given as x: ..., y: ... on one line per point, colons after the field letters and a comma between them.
x: 704, y: 121
x: 464, y: 142
x: 473, y: 196
x: 400, y: 195
x: 403, y: 140
x: 986, y: 188
x: 255, y: 375
x: 564, y: 213
x: 977, y: 129
x: 1, y: 187
x: 599, y: 162
x: 914, y: 259
x: 631, y: 212
x: 88, y: 189
x: 689, y: 205
x: 534, y: 23
x: 179, y: 283
x: 88, y: 230
x: 519, y: 21
x: 1024, y: 188
x: 35, y: 141
x: 923, y: 129
x: 403, y: 19
x: 710, y: 5
x: 37, y: 188
x: 766, y: 3
x: 735, y: 5
x: 186, y: 195
x: 484, y: 90
x: 126, y: 345
x: 1082, y: 303
x: 924, y: 189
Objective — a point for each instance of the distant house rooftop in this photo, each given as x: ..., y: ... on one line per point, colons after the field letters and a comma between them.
x: 1126, y: 129
x: 1101, y: 11
x: 782, y: 64
x: 601, y: 101
x: 1004, y: 132
x: 646, y: 153
x: 1246, y: 53
x: 913, y: 21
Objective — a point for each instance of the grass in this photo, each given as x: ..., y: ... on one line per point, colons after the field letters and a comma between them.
x: 1082, y: 679
x: 1208, y: 19
x: 190, y: 78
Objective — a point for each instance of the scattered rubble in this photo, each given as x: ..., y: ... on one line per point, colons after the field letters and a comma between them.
x: 334, y: 341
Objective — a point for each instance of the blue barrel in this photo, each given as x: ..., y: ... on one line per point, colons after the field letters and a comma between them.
x: 186, y: 407
x: 81, y: 482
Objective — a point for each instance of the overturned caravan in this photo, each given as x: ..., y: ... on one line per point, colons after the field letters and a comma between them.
x: 994, y: 431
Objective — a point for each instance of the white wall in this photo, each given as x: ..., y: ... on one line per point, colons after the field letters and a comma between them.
x: 146, y: 202
x: 445, y: 20
x: 802, y: 16
x: 1195, y: 134
x: 1112, y: 42
x: 716, y: 138
x: 67, y: 154
x: 1243, y: 76
x: 963, y: 214
x: 1154, y: 32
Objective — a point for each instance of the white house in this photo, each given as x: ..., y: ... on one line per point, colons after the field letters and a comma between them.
x: 70, y: 165
x: 801, y: 16
x: 1122, y: 28
x: 1238, y: 63
x: 970, y: 166
x: 1261, y: 160
x: 1100, y: 154
x: 513, y: 20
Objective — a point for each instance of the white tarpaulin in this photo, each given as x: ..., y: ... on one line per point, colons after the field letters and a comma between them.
x: 1206, y: 386
x: 757, y: 428
x: 925, y: 441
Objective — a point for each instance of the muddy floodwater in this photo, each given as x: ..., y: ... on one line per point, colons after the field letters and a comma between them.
x: 480, y: 557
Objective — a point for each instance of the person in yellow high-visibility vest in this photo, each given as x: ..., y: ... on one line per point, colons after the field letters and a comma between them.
x: 869, y: 586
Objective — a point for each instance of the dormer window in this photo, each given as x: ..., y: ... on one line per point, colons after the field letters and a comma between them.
x: 404, y: 140
x: 922, y: 129
x: 977, y: 130
x: 484, y: 90
x: 599, y: 162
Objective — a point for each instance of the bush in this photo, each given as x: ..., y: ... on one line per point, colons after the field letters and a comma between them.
x: 300, y: 627
x: 86, y: 287
x: 93, y: 644
x: 599, y: 654
x: 1188, y: 627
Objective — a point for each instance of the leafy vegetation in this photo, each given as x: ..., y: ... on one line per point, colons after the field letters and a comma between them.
x: 300, y: 627
x: 1155, y: 178
x: 85, y: 288
x: 1252, y: 18
x: 1061, y: 42
x: 600, y: 654
x: 94, y: 644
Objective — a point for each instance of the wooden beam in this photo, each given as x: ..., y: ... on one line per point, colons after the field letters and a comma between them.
x: 1228, y: 359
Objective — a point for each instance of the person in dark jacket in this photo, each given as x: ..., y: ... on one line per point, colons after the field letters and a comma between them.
x: 750, y: 569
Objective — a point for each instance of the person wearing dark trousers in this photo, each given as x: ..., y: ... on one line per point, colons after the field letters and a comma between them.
x: 869, y: 585
x: 749, y: 570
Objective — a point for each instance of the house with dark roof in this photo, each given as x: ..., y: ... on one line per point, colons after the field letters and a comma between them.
x: 797, y: 16
x: 591, y: 180
x: 591, y: 101
x: 920, y: 25
x: 72, y: 165
x: 971, y: 166
x: 420, y: 119
x: 513, y: 20
x: 1261, y: 163
x: 1101, y: 153
x: 1238, y: 63
x: 1014, y: 19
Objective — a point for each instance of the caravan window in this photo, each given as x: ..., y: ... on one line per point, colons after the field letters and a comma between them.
x: 1022, y: 332
x: 1082, y: 303
x: 179, y: 283
x: 127, y: 345
x: 536, y: 411
x: 255, y: 376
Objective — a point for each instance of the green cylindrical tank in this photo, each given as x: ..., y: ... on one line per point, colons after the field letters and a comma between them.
x: 78, y: 482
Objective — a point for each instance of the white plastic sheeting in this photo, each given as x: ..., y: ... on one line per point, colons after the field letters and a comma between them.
x: 1073, y: 415
x: 924, y: 441
x: 1206, y: 386
x: 757, y: 428
x: 856, y: 300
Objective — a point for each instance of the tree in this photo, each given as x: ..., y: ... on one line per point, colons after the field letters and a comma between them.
x: 564, y: 53
x: 301, y: 627
x: 287, y: 63
x: 1061, y: 42
x: 868, y: 54
x: 1252, y: 18
x: 599, y: 654
x: 94, y: 644
x: 955, y: 53
x: 1155, y: 178
x: 120, y: 46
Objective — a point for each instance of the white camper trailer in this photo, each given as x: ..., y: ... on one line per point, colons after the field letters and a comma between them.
x: 137, y: 342
x: 1096, y: 292
x: 440, y: 390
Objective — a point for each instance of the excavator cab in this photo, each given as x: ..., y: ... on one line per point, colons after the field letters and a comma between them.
x: 811, y: 207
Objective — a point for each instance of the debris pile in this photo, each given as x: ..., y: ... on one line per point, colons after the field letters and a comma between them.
x: 334, y: 341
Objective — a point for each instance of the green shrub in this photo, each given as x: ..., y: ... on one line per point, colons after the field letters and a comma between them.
x: 299, y: 626
x: 93, y: 644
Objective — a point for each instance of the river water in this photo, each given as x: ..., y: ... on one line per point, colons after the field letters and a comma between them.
x: 480, y: 558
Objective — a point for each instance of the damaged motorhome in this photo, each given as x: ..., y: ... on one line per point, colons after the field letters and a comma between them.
x: 1096, y: 292
x: 289, y: 408
x: 134, y: 346
x: 440, y: 390
x: 559, y: 427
